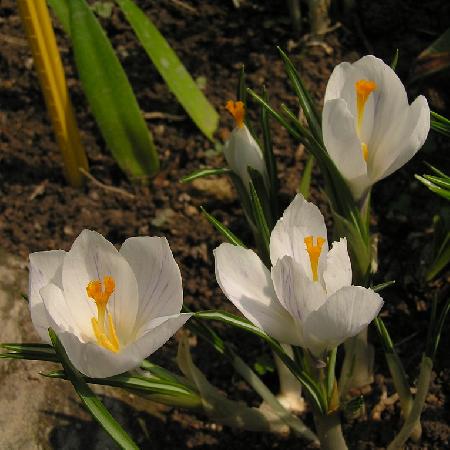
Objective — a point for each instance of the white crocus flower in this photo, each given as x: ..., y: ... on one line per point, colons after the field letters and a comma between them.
x: 307, y: 299
x: 241, y: 150
x: 110, y: 309
x: 369, y: 129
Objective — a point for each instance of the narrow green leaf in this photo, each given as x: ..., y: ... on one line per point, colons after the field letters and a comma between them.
x: 110, y: 95
x: 258, y: 212
x: 394, y: 60
x: 201, y: 173
x: 90, y: 400
x: 241, y: 94
x: 304, y: 98
x: 270, y: 160
x: 171, y: 69
x: 441, y: 260
x: 440, y: 123
x: 310, y: 386
x: 222, y: 229
x: 439, y: 181
x: 384, y: 335
x: 305, y: 182
x: 445, y: 193
x: 382, y: 286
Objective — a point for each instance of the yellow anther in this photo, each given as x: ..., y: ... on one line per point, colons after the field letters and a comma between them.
x: 106, y: 338
x: 365, y: 151
x: 94, y: 290
x: 314, y: 252
x: 237, y: 110
x: 363, y: 89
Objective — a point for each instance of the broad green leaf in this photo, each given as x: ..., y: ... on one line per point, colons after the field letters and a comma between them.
x: 61, y: 10
x: 171, y: 69
x: 110, y: 95
x: 90, y: 400
x: 201, y: 173
x: 433, y: 59
x: 222, y: 229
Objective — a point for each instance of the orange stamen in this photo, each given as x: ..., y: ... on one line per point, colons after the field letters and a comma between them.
x: 314, y: 252
x: 107, y: 338
x: 363, y: 89
x: 237, y: 110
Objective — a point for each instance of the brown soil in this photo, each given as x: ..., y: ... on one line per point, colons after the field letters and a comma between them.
x: 39, y: 211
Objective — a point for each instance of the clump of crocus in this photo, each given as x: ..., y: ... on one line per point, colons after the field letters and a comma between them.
x: 369, y: 129
x: 307, y: 298
x: 110, y: 309
x: 241, y: 151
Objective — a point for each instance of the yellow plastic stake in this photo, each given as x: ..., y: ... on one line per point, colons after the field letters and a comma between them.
x: 41, y: 37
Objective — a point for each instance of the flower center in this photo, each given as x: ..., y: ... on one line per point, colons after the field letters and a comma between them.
x: 237, y: 110
x: 106, y: 335
x: 314, y: 253
x: 363, y: 90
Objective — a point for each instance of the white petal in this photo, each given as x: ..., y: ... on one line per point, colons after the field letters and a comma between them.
x: 300, y: 219
x: 158, y: 277
x: 246, y: 282
x: 343, y: 315
x: 296, y: 292
x: 343, y: 145
x: 45, y: 268
x: 242, y: 151
x: 338, y: 272
x: 337, y: 80
x: 410, y: 137
x: 58, y: 312
x: 97, y: 362
x: 92, y: 257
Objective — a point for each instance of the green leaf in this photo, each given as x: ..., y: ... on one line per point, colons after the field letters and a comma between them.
x: 260, y: 218
x: 310, y: 385
x: 394, y: 60
x: 222, y: 229
x: 382, y: 286
x: 304, y: 98
x: 201, y: 173
x: 90, y: 400
x: 445, y: 193
x: 171, y: 69
x: 110, y: 95
x: 270, y: 161
x: 440, y: 123
x: 434, y: 59
x: 61, y: 10
x: 305, y: 182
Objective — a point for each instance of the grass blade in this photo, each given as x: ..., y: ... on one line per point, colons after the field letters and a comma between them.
x: 110, y: 95
x: 171, y: 69
x: 201, y: 173
x: 222, y: 229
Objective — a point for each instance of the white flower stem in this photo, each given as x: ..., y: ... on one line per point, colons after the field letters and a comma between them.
x: 357, y: 369
x: 329, y: 431
x: 290, y: 394
x: 423, y: 384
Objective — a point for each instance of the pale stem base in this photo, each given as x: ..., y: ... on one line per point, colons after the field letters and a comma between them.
x: 329, y: 431
x: 357, y: 369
